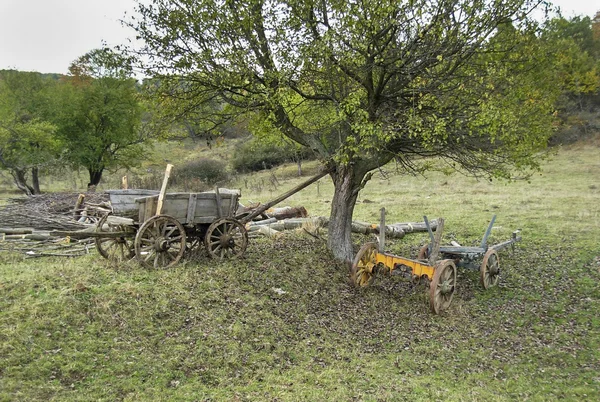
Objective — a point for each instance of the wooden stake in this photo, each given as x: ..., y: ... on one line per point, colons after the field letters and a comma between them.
x: 124, y: 185
x: 382, y: 231
x: 435, y: 247
x: 78, y: 204
x: 163, y: 189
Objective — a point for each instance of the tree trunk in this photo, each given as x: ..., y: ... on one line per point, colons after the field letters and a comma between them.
x: 347, y: 182
x: 20, y: 180
x: 35, y: 180
x: 95, y: 177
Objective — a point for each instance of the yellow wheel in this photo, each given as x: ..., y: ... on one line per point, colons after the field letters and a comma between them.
x: 363, y: 266
x: 490, y: 269
x: 442, y: 286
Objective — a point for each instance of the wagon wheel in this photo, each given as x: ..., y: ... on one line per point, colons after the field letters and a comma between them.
x: 442, y: 286
x: 490, y: 269
x: 226, y: 238
x: 423, y: 253
x: 115, y: 249
x: 160, y: 242
x: 363, y: 266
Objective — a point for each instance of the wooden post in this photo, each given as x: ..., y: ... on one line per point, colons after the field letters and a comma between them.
x: 163, y: 189
x: 382, y: 231
x: 78, y: 204
x: 435, y: 247
x: 124, y: 185
x: 219, y: 202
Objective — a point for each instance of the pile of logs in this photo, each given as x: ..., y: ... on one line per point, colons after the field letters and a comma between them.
x: 279, y: 219
x: 40, y: 243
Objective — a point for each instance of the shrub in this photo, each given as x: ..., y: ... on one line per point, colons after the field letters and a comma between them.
x: 208, y: 171
x: 254, y: 155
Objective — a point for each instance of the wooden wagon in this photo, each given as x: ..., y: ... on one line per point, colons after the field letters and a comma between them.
x: 158, y: 232
x: 440, y: 274
x: 185, y: 221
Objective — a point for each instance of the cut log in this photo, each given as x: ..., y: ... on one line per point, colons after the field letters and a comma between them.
x: 267, y: 231
x: 287, y: 212
x: 289, y: 224
x: 16, y: 231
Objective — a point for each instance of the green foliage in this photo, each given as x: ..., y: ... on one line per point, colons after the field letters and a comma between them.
x: 209, y: 171
x: 574, y: 59
x: 99, y: 118
x: 359, y: 83
x: 27, y: 139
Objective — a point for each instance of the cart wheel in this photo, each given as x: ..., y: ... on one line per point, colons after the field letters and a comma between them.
x: 363, y: 266
x: 423, y: 253
x: 442, y: 286
x: 226, y: 238
x: 115, y: 249
x: 160, y: 242
x: 490, y: 269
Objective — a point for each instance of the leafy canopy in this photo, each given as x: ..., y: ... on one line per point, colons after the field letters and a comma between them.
x: 99, y: 114
x: 27, y: 138
x: 363, y: 82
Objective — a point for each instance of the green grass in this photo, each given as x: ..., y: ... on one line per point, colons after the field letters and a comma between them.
x: 81, y: 329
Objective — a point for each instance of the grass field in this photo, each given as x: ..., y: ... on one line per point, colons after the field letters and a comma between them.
x: 283, y: 323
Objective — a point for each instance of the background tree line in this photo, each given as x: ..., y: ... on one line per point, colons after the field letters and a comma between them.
x: 91, y: 118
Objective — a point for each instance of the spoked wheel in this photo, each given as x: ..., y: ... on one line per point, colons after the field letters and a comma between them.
x: 490, y: 269
x: 442, y: 286
x: 116, y: 249
x: 160, y: 242
x: 423, y: 253
x: 363, y: 266
x: 226, y: 238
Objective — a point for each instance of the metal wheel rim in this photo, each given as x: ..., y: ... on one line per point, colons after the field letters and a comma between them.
x: 226, y: 238
x: 160, y: 242
x: 490, y: 269
x: 443, y: 286
x: 363, y: 266
x: 116, y: 250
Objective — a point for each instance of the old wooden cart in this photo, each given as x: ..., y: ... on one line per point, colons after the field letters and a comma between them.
x: 440, y: 274
x: 184, y: 221
x: 467, y: 257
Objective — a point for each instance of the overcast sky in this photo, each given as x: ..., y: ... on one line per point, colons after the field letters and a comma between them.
x: 47, y: 35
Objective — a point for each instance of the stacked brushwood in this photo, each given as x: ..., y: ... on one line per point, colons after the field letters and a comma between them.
x: 29, y: 225
x: 56, y: 211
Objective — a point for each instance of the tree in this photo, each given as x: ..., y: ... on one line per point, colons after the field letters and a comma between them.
x: 27, y: 139
x: 99, y: 115
x: 362, y: 83
x: 576, y: 61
